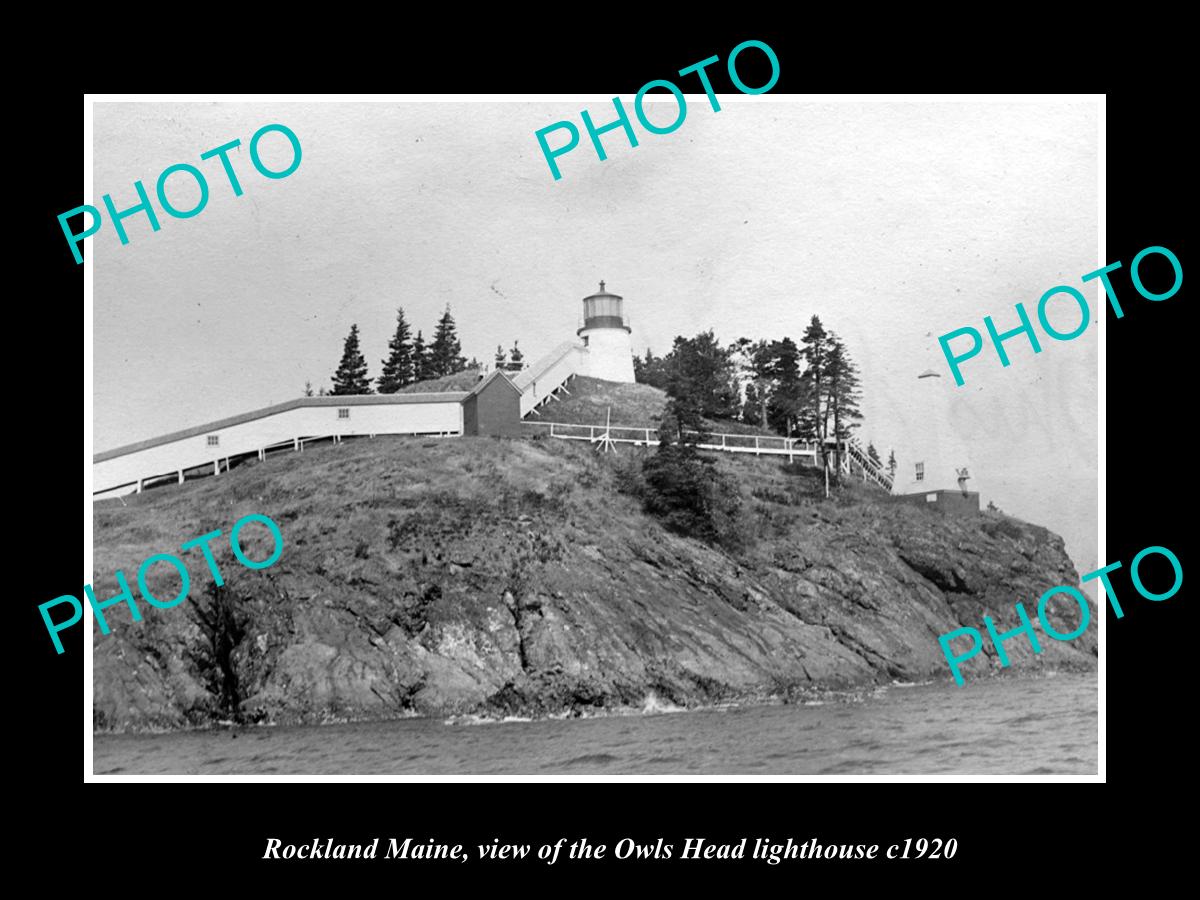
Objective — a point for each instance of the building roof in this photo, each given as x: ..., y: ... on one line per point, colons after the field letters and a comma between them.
x: 603, y: 293
x: 483, y: 382
x: 299, y: 402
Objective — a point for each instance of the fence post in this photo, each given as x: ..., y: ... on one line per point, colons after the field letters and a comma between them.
x: 647, y: 437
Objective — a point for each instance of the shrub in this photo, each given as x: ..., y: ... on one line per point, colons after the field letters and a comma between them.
x: 223, y: 621
x: 690, y: 497
x: 627, y: 472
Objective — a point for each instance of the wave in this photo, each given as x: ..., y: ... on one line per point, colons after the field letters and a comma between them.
x: 654, y: 705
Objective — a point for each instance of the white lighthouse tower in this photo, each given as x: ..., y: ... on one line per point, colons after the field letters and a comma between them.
x: 606, y: 337
x: 935, y: 466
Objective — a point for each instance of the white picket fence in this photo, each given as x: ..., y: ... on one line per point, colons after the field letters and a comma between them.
x: 724, y: 442
x: 759, y: 445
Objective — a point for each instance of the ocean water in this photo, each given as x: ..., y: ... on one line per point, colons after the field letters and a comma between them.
x: 1044, y: 725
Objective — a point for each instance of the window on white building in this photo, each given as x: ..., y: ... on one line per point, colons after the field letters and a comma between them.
x: 343, y: 413
x: 920, y: 471
x: 214, y: 440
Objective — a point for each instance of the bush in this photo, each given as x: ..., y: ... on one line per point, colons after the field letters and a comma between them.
x: 627, y: 472
x: 690, y: 497
x: 223, y: 621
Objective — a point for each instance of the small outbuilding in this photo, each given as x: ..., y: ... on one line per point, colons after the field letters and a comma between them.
x: 493, y: 407
x: 963, y: 502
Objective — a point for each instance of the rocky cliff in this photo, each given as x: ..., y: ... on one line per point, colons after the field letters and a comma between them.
x: 513, y: 577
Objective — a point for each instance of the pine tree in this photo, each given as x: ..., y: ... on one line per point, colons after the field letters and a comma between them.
x: 763, y: 374
x: 816, y: 348
x: 787, y: 402
x: 308, y: 391
x: 516, y: 359
x: 873, y: 454
x: 753, y: 367
x: 753, y: 409
x: 398, y: 367
x: 892, y: 463
x: 501, y: 357
x: 841, y: 392
x: 445, y: 353
x: 691, y: 496
x: 351, y: 374
x: 651, y: 370
x: 700, y: 382
x: 420, y: 359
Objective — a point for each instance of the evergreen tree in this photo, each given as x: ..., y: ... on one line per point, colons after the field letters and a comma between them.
x: 892, y: 463
x: 501, y: 357
x: 873, y: 454
x: 398, y: 367
x: 816, y: 348
x: 787, y: 402
x: 842, y: 393
x: 753, y: 365
x: 516, y: 359
x: 351, y: 374
x: 764, y: 376
x: 308, y: 391
x: 421, y: 370
x: 650, y: 370
x: 754, y: 410
x: 691, y: 496
x: 445, y: 353
x: 473, y: 364
x: 700, y: 382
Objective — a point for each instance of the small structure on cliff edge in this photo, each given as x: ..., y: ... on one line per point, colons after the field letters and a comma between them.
x: 936, y: 469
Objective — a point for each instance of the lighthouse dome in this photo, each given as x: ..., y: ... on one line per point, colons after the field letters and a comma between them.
x: 604, y: 310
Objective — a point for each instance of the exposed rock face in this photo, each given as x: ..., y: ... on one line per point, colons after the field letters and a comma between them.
x: 480, y: 575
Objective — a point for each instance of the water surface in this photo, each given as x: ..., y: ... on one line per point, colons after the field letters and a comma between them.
x: 1034, y: 726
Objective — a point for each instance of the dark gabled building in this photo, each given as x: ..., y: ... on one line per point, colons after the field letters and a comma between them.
x: 493, y: 407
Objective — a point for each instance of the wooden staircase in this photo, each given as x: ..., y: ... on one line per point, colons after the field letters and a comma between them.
x: 855, y: 457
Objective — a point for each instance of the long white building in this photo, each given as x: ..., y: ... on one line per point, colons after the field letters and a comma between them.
x: 496, y: 405
x: 283, y: 426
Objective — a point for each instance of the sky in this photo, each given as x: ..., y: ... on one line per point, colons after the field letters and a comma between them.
x: 894, y: 222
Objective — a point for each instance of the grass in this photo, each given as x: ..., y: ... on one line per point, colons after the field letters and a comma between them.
x: 634, y: 405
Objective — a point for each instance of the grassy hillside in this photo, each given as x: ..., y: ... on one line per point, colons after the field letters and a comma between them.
x: 515, y: 576
x: 637, y: 405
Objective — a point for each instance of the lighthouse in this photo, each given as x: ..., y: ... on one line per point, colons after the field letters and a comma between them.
x: 935, y: 468
x: 606, y: 337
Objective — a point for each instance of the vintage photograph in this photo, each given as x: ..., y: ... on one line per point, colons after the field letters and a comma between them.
x: 410, y: 458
